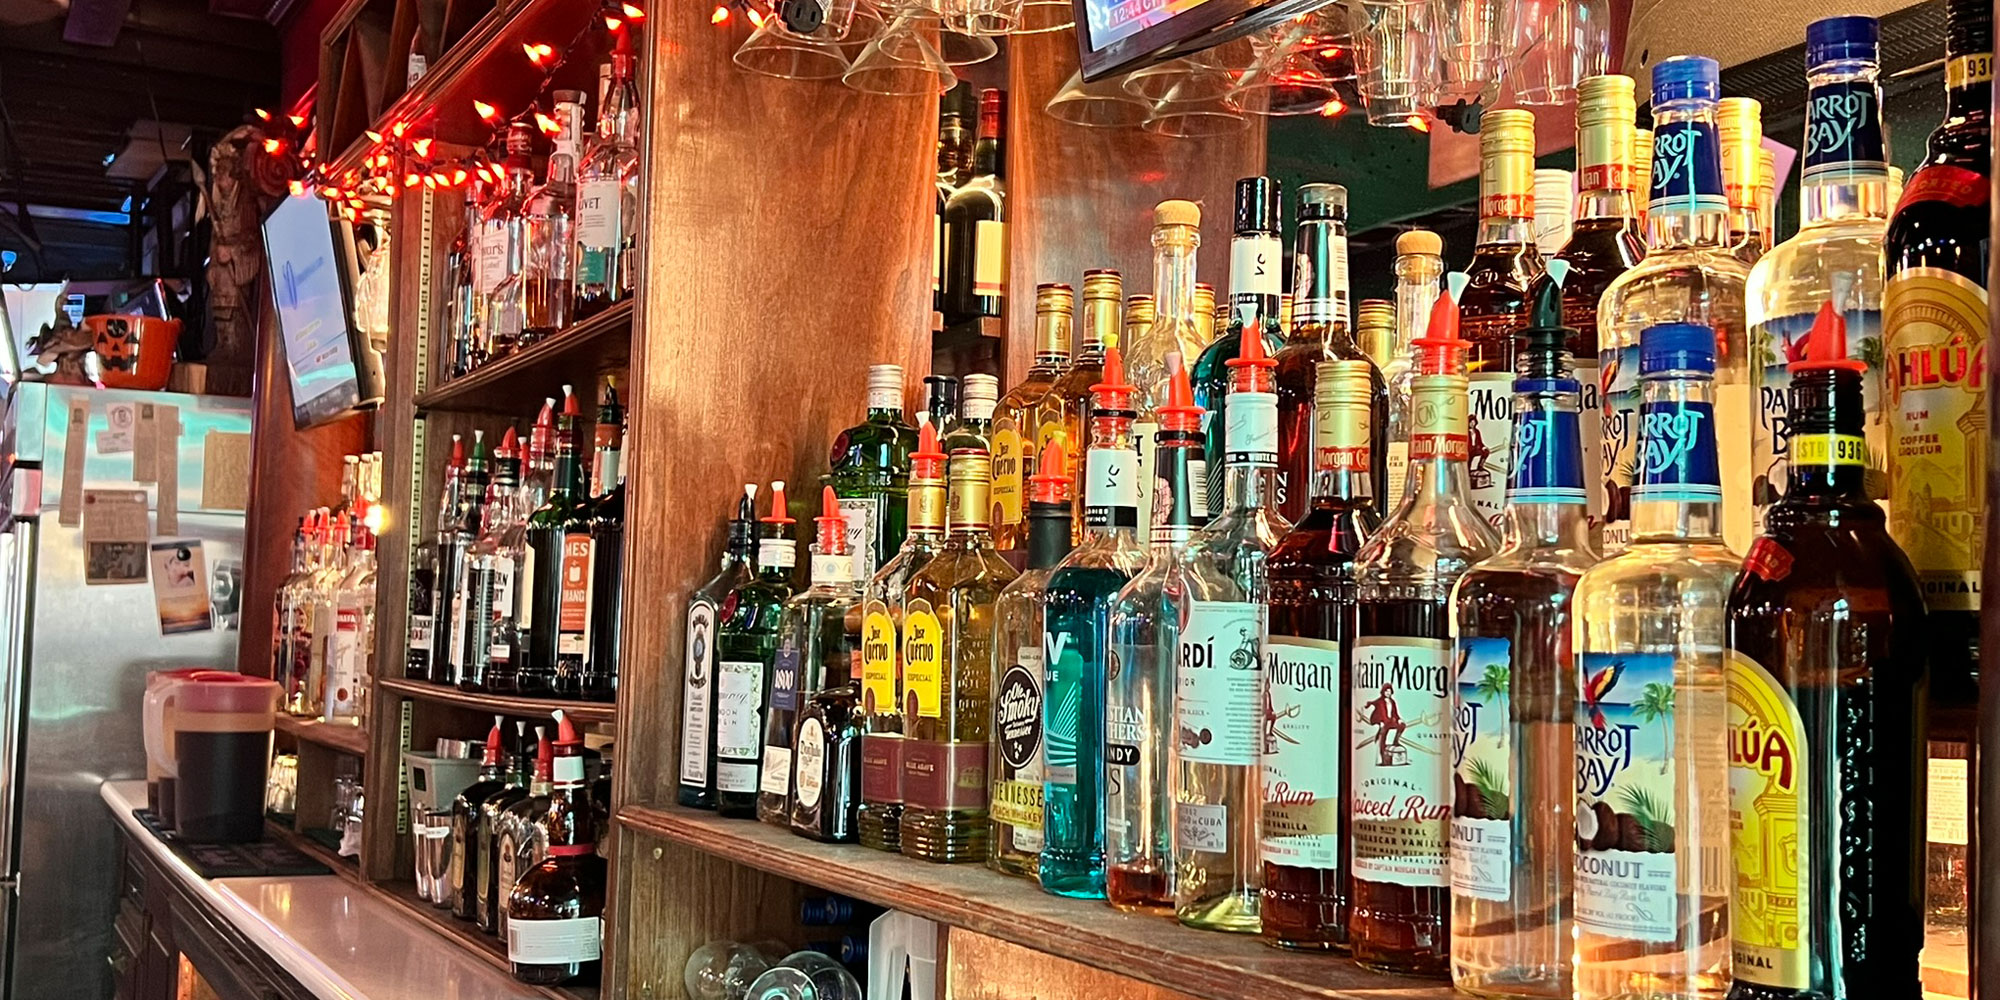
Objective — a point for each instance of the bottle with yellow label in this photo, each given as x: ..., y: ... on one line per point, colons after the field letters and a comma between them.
x: 1030, y: 415
x: 948, y: 634
x: 881, y: 811
x: 1825, y: 676
x: 1100, y: 322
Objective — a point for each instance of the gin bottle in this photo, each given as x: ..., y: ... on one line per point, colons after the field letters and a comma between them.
x: 698, y: 780
x: 870, y: 465
x: 1019, y: 740
x: 812, y: 633
x: 746, y: 643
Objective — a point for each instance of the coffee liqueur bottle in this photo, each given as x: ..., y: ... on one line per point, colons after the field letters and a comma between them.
x: 1076, y: 607
x: 1400, y: 795
x: 555, y: 913
x: 559, y: 547
x: 1651, y: 770
x: 1030, y: 415
x: 1313, y: 619
x: 1140, y: 675
x: 1514, y: 691
x: 1220, y: 694
x: 1934, y: 319
x: 948, y: 635
x: 1256, y: 260
x: 1419, y: 270
x: 1826, y: 679
x: 698, y: 680
x: 826, y: 756
x: 812, y: 633
x: 1604, y: 244
x: 746, y: 643
x: 1017, y: 754
x: 1103, y: 297
x: 1495, y: 304
x: 1739, y: 127
x: 465, y: 824
x: 871, y: 473
x: 881, y: 815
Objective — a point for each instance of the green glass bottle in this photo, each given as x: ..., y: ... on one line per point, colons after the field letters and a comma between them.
x: 871, y: 473
x: 746, y: 643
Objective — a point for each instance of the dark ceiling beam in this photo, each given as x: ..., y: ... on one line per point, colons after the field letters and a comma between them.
x: 219, y: 64
x: 112, y: 99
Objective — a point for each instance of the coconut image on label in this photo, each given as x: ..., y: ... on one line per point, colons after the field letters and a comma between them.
x: 1626, y: 870
x: 1482, y: 772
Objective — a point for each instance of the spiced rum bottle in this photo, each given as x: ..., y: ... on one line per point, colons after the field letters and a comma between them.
x: 1505, y: 262
x: 1017, y: 755
x: 812, y: 633
x: 746, y: 643
x: 698, y: 681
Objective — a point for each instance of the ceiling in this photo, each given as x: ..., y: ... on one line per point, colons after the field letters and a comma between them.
x: 83, y: 80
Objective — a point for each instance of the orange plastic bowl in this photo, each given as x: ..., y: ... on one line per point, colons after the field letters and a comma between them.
x: 137, y: 351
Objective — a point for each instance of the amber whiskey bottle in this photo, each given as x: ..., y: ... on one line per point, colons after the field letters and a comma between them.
x: 826, y: 757
x: 1030, y: 415
x: 555, y: 912
x: 1495, y: 304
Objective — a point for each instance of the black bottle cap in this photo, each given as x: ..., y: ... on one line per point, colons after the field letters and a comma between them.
x: 1259, y: 205
x: 1544, y: 341
x: 1322, y: 201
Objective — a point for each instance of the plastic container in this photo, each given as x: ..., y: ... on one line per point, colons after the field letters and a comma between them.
x: 221, y: 748
x: 136, y: 352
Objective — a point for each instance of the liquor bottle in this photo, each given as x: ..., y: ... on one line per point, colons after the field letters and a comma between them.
x: 1513, y: 695
x: 605, y: 520
x: 1375, y: 334
x: 516, y: 830
x: 954, y: 166
x: 1689, y: 276
x: 466, y: 525
x: 746, y: 643
x: 1101, y: 322
x: 1603, y: 245
x: 447, y: 566
x: 1554, y: 205
x: 1018, y: 756
x: 941, y: 397
x: 1076, y: 608
x: 559, y: 546
x: 1322, y: 329
x: 465, y: 824
x: 1155, y: 329
x: 701, y: 780
x: 826, y: 755
x: 515, y: 631
x: 1642, y: 167
x: 881, y: 812
x: 1836, y: 254
x: 417, y: 659
x: 550, y: 230
x: 289, y: 653
x: 948, y: 623
x: 1934, y: 317
x: 1419, y: 269
x: 352, y: 647
x: 972, y: 427
x: 1826, y: 681
x: 1139, y: 692
x: 1739, y: 127
x: 1141, y: 311
x: 323, y: 608
x: 1313, y: 617
x: 812, y: 633
x: 462, y: 309
x: 607, y: 208
x: 1030, y: 415
x: 1652, y: 787
x: 1495, y: 304
x: 490, y: 572
x: 975, y: 225
x: 505, y: 224
x: 871, y: 473
x: 491, y: 895
x: 555, y: 914
x: 1400, y: 795
x: 1255, y: 259
x: 1207, y: 316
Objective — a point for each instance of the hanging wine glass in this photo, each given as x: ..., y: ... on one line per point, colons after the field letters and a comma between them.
x: 1285, y: 80
x: 1394, y: 61
x: 1560, y: 42
x: 902, y: 61
x: 1473, y: 42
x: 1103, y: 104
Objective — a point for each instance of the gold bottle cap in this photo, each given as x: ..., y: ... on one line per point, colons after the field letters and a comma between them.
x: 1375, y: 328
x: 1055, y: 320
x: 1344, y: 382
x: 1103, y: 309
x: 1284, y: 311
x: 1343, y: 392
x: 1605, y: 152
x: 1607, y: 98
x: 1205, y: 312
x: 1103, y: 283
x: 970, y: 494
x: 1507, y: 164
x: 1177, y: 213
x: 1642, y: 165
x: 1419, y: 241
x: 1739, y: 127
x: 1140, y: 311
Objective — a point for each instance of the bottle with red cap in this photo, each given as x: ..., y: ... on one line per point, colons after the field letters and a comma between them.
x: 745, y: 641
x: 465, y: 812
x: 520, y: 837
x: 560, y: 551
x: 490, y: 574
x: 491, y: 893
x: 1826, y: 677
x: 436, y: 626
x: 701, y: 783
x: 815, y: 642
x: 555, y: 910
x: 1399, y: 790
x: 1220, y: 690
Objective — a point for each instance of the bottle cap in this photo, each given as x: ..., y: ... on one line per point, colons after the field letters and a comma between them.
x: 1608, y: 98
x: 1546, y: 309
x: 1251, y: 369
x: 569, y: 406
x: 1507, y: 130
x: 778, y: 515
x: 1322, y: 201
x: 927, y: 462
x: 1419, y: 241
x: 1825, y: 345
x: 1140, y: 311
x: 1342, y: 382
x: 1440, y: 351
x: 457, y: 452
x: 565, y: 731
x: 1831, y: 39
x: 1113, y: 394
x: 1176, y: 212
x: 1681, y: 78
x: 1178, y: 413
x: 1676, y: 347
x: 830, y: 528
x: 494, y: 749
x: 1103, y: 283
x: 980, y: 395
x: 1259, y: 205
x: 1054, y: 296
x: 992, y: 110
x: 1050, y: 483
x: 1374, y: 312
x: 885, y: 379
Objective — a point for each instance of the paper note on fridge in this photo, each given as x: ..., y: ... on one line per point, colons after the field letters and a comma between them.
x: 114, y: 536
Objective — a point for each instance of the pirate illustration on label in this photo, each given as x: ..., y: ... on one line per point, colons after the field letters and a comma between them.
x: 1387, y: 719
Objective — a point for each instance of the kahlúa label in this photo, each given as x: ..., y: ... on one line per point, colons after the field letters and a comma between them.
x: 1771, y: 909
x: 1934, y: 333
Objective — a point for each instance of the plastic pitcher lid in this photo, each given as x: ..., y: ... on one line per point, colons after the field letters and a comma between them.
x: 220, y: 691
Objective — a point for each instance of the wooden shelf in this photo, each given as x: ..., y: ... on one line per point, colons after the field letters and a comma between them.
x: 346, y: 739
x: 512, y: 384
x: 471, y: 938
x: 1153, y: 949
x: 500, y: 704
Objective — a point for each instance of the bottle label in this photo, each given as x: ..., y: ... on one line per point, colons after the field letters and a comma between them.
x: 1250, y: 428
x: 1778, y: 342
x: 785, y: 676
x: 941, y: 775
x: 1482, y: 756
x: 1627, y: 869
x: 501, y: 592
x: 1143, y: 439
x: 1219, y: 695
x: 882, y: 768
x: 1934, y: 331
x: 598, y: 210
x: 420, y: 633
x: 1111, y: 488
x: 1489, y: 446
x: 1438, y: 420
x: 1062, y: 709
x: 1949, y: 819
x: 989, y: 260
x: 1677, y: 453
x: 864, y: 530
x: 1304, y: 729
x: 1963, y: 71
x: 555, y: 942
x: 573, y: 609
x: 1126, y: 729
x: 878, y: 661
x: 1952, y: 185
x: 1254, y: 265
x: 1619, y: 437
x: 1397, y: 464
x: 1017, y: 728
x: 1008, y: 473
x: 832, y: 568
x: 695, y: 700
x: 1400, y: 797
x: 1198, y: 489
x: 524, y: 611
x: 1201, y: 826
x: 739, y: 711
x: 491, y: 264
x: 1590, y: 426
x: 343, y: 679
x: 1687, y: 169
x: 1770, y: 820
x: 811, y: 757
x: 777, y: 553
x: 1844, y: 132
x: 777, y: 774
x: 1548, y: 454
x: 1831, y: 450
x: 937, y: 248
x: 923, y: 662
x: 1320, y: 280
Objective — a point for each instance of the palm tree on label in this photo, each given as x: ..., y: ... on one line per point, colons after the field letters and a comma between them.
x: 1656, y: 704
x: 1493, y: 682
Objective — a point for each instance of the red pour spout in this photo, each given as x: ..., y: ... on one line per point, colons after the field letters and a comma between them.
x: 778, y: 513
x: 1114, y: 393
x: 569, y: 406
x: 510, y: 444
x: 491, y: 756
x: 1253, y: 366
x: 928, y: 460
x: 1825, y: 345
x: 1179, y: 412
x: 830, y: 527
x: 1440, y: 351
x: 1050, y: 483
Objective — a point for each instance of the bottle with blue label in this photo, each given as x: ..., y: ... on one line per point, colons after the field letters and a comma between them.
x: 815, y: 628
x: 1514, y: 690
x: 1652, y: 874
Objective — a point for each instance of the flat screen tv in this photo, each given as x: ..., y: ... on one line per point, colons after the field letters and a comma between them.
x: 1118, y: 36
x: 312, y: 263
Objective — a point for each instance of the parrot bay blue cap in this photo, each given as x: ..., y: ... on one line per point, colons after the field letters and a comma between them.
x: 1831, y: 39
x: 1676, y: 347
x: 1683, y: 77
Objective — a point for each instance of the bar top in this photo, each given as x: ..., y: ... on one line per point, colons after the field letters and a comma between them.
x: 331, y: 935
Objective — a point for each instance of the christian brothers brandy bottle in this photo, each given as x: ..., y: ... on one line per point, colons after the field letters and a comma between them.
x: 555, y: 912
x: 813, y: 632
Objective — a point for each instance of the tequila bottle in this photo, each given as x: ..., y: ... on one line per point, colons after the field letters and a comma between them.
x: 1513, y: 693
x: 1019, y: 659
x: 1652, y: 788
x: 1400, y: 793
x: 812, y: 633
x: 948, y: 634
x: 746, y: 644
x: 607, y: 204
x: 1256, y: 258
x: 550, y: 228
x: 1144, y: 630
x: 870, y: 465
x: 1419, y: 269
x: 1103, y: 300
x: 701, y: 689
x: 1030, y: 415
x: 1739, y: 128
x: 1220, y: 696
x: 1495, y: 304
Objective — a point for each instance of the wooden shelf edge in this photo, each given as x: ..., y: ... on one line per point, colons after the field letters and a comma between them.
x: 1148, y: 948
x: 346, y: 739
x: 616, y: 317
x: 403, y: 895
x: 435, y: 80
x: 500, y: 704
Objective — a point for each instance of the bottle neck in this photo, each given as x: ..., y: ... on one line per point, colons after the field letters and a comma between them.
x: 1173, y: 286
x: 1110, y: 481
x: 1846, y: 170
x: 1677, y: 495
x: 1321, y: 295
x: 1828, y: 450
x: 1439, y: 442
x: 1254, y: 262
x: 1968, y: 73
x: 1416, y: 291
x: 1607, y: 203
x: 987, y: 158
x: 1174, y: 453
x: 1688, y: 207
x: 1048, y: 534
x: 1501, y: 231
x: 569, y: 799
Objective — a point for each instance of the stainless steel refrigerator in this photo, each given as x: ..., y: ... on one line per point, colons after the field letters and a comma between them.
x: 90, y: 602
